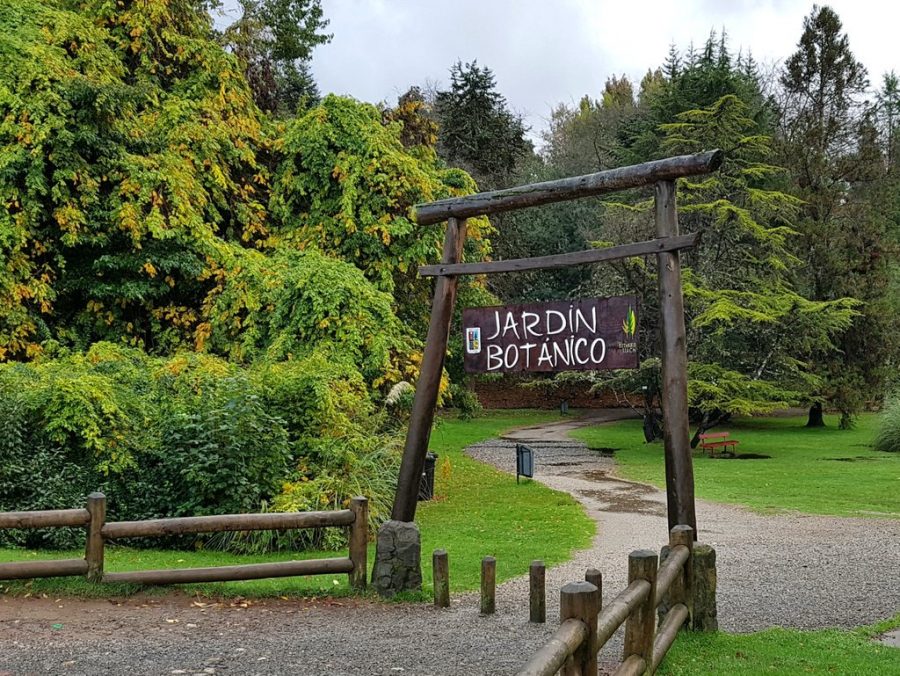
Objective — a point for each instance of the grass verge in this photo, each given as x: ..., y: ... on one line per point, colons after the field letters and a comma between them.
x: 812, y: 470
x: 785, y: 652
x: 478, y: 511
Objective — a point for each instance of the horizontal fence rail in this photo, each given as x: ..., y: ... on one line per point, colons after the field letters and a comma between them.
x: 93, y: 518
x: 585, y: 627
x: 50, y: 518
x: 561, y: 646
x: 226, y: 522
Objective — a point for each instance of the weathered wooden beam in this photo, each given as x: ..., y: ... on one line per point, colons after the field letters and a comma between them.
x: 440, y: 569
x: 612, y: 253
x: 93, y: 550
x: 226, y: 522
x: 20, y: 570
x: 581, y: 601
x: 613, y: 615
x: 641, y: 624
x: 551, y: 657
x: 670, y: 570
x: 567, y: 188
x: 49, y: 518
x: 429, y: 383
x: 359, y: 542
x: 667, y: 632
x: 676, y: 433
x: 488, y: 585
x: 537, y: 597
x: 251, y: 571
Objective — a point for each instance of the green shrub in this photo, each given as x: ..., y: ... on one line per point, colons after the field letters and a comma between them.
x: 888, y: 436
x: 465, y: 401
x: 190, y: 435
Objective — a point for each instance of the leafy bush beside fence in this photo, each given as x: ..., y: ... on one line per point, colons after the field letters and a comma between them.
x: 188, y: 435
x: 888, y: 436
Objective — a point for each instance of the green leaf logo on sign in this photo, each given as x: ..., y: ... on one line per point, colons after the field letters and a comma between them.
x: 629, y: 324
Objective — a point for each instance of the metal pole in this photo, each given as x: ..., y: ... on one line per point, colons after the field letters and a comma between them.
x: 679, y: 466
x: 428, y: 385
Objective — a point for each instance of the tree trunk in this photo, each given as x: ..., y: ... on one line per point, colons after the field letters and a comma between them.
x: 816, y: 418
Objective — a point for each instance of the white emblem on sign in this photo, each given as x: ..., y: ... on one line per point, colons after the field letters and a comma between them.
x: 473, y: 340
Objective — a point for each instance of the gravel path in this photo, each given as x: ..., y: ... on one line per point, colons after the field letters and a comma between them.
x: 799, y: 571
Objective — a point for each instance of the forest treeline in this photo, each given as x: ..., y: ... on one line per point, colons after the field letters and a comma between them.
x: 208, y: 287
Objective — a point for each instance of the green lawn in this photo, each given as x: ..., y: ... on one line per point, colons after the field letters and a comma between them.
x: 818, y: 471
x: 478, y: 512
x: 785, y: 652
x: 481, y: 511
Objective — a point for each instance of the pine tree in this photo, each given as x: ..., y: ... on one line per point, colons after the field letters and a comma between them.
x: 478, y: 131
x: 827, y: 141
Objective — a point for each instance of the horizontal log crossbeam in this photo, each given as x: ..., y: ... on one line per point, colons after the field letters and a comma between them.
x: 252, y: 571
x: 226, y: 522
x: 576, y: 187
x: 612, y: 253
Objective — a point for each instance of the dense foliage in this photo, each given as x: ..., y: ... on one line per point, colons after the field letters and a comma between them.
x: 888, y: 436
x: 209, y: 301
x: 791, y: 298
x: 186, y: 435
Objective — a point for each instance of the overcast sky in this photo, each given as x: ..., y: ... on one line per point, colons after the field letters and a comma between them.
x: 544, y: 52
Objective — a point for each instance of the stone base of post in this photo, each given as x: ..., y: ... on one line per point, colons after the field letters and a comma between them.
x: 398, y: 558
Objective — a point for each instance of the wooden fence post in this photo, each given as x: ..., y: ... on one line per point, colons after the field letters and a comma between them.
x: 581, y: 601
x: 93, y: 551
x: 595, y: 577
x: 641, y: 624
x: 705, y: 614
x: 488, y: 585
x: 681, y: 590
x: 440, y: 567
x: 537, y: 598
x: 359, y: 542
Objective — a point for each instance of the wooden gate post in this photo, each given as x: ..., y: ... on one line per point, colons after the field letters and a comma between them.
x: 676, y: 435
x: 425, y: 400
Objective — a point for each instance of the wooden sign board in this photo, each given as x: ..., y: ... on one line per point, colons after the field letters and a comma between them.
x: 577, y: 335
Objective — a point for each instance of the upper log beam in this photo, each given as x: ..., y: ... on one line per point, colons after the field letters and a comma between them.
x: 535, y: 194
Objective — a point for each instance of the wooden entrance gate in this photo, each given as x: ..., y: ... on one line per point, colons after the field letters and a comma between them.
x: 662, y: 174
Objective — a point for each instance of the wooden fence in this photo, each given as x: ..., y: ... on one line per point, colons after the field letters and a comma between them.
x: 93, y: 518
x: 586, y: 626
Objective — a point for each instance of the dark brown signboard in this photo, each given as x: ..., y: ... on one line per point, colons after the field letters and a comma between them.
x: 573, y: 335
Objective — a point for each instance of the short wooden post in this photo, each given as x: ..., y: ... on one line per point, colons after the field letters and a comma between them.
x: 595, y: 577
x: 488, y: 585
x: 440, y: 567
x: 703, y: 590
x: 641, y: 624
x: 359, y: 542
x: 537, y: 598
x: 681, y: 589
x: 93, y: 551
x: 581, y: 601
